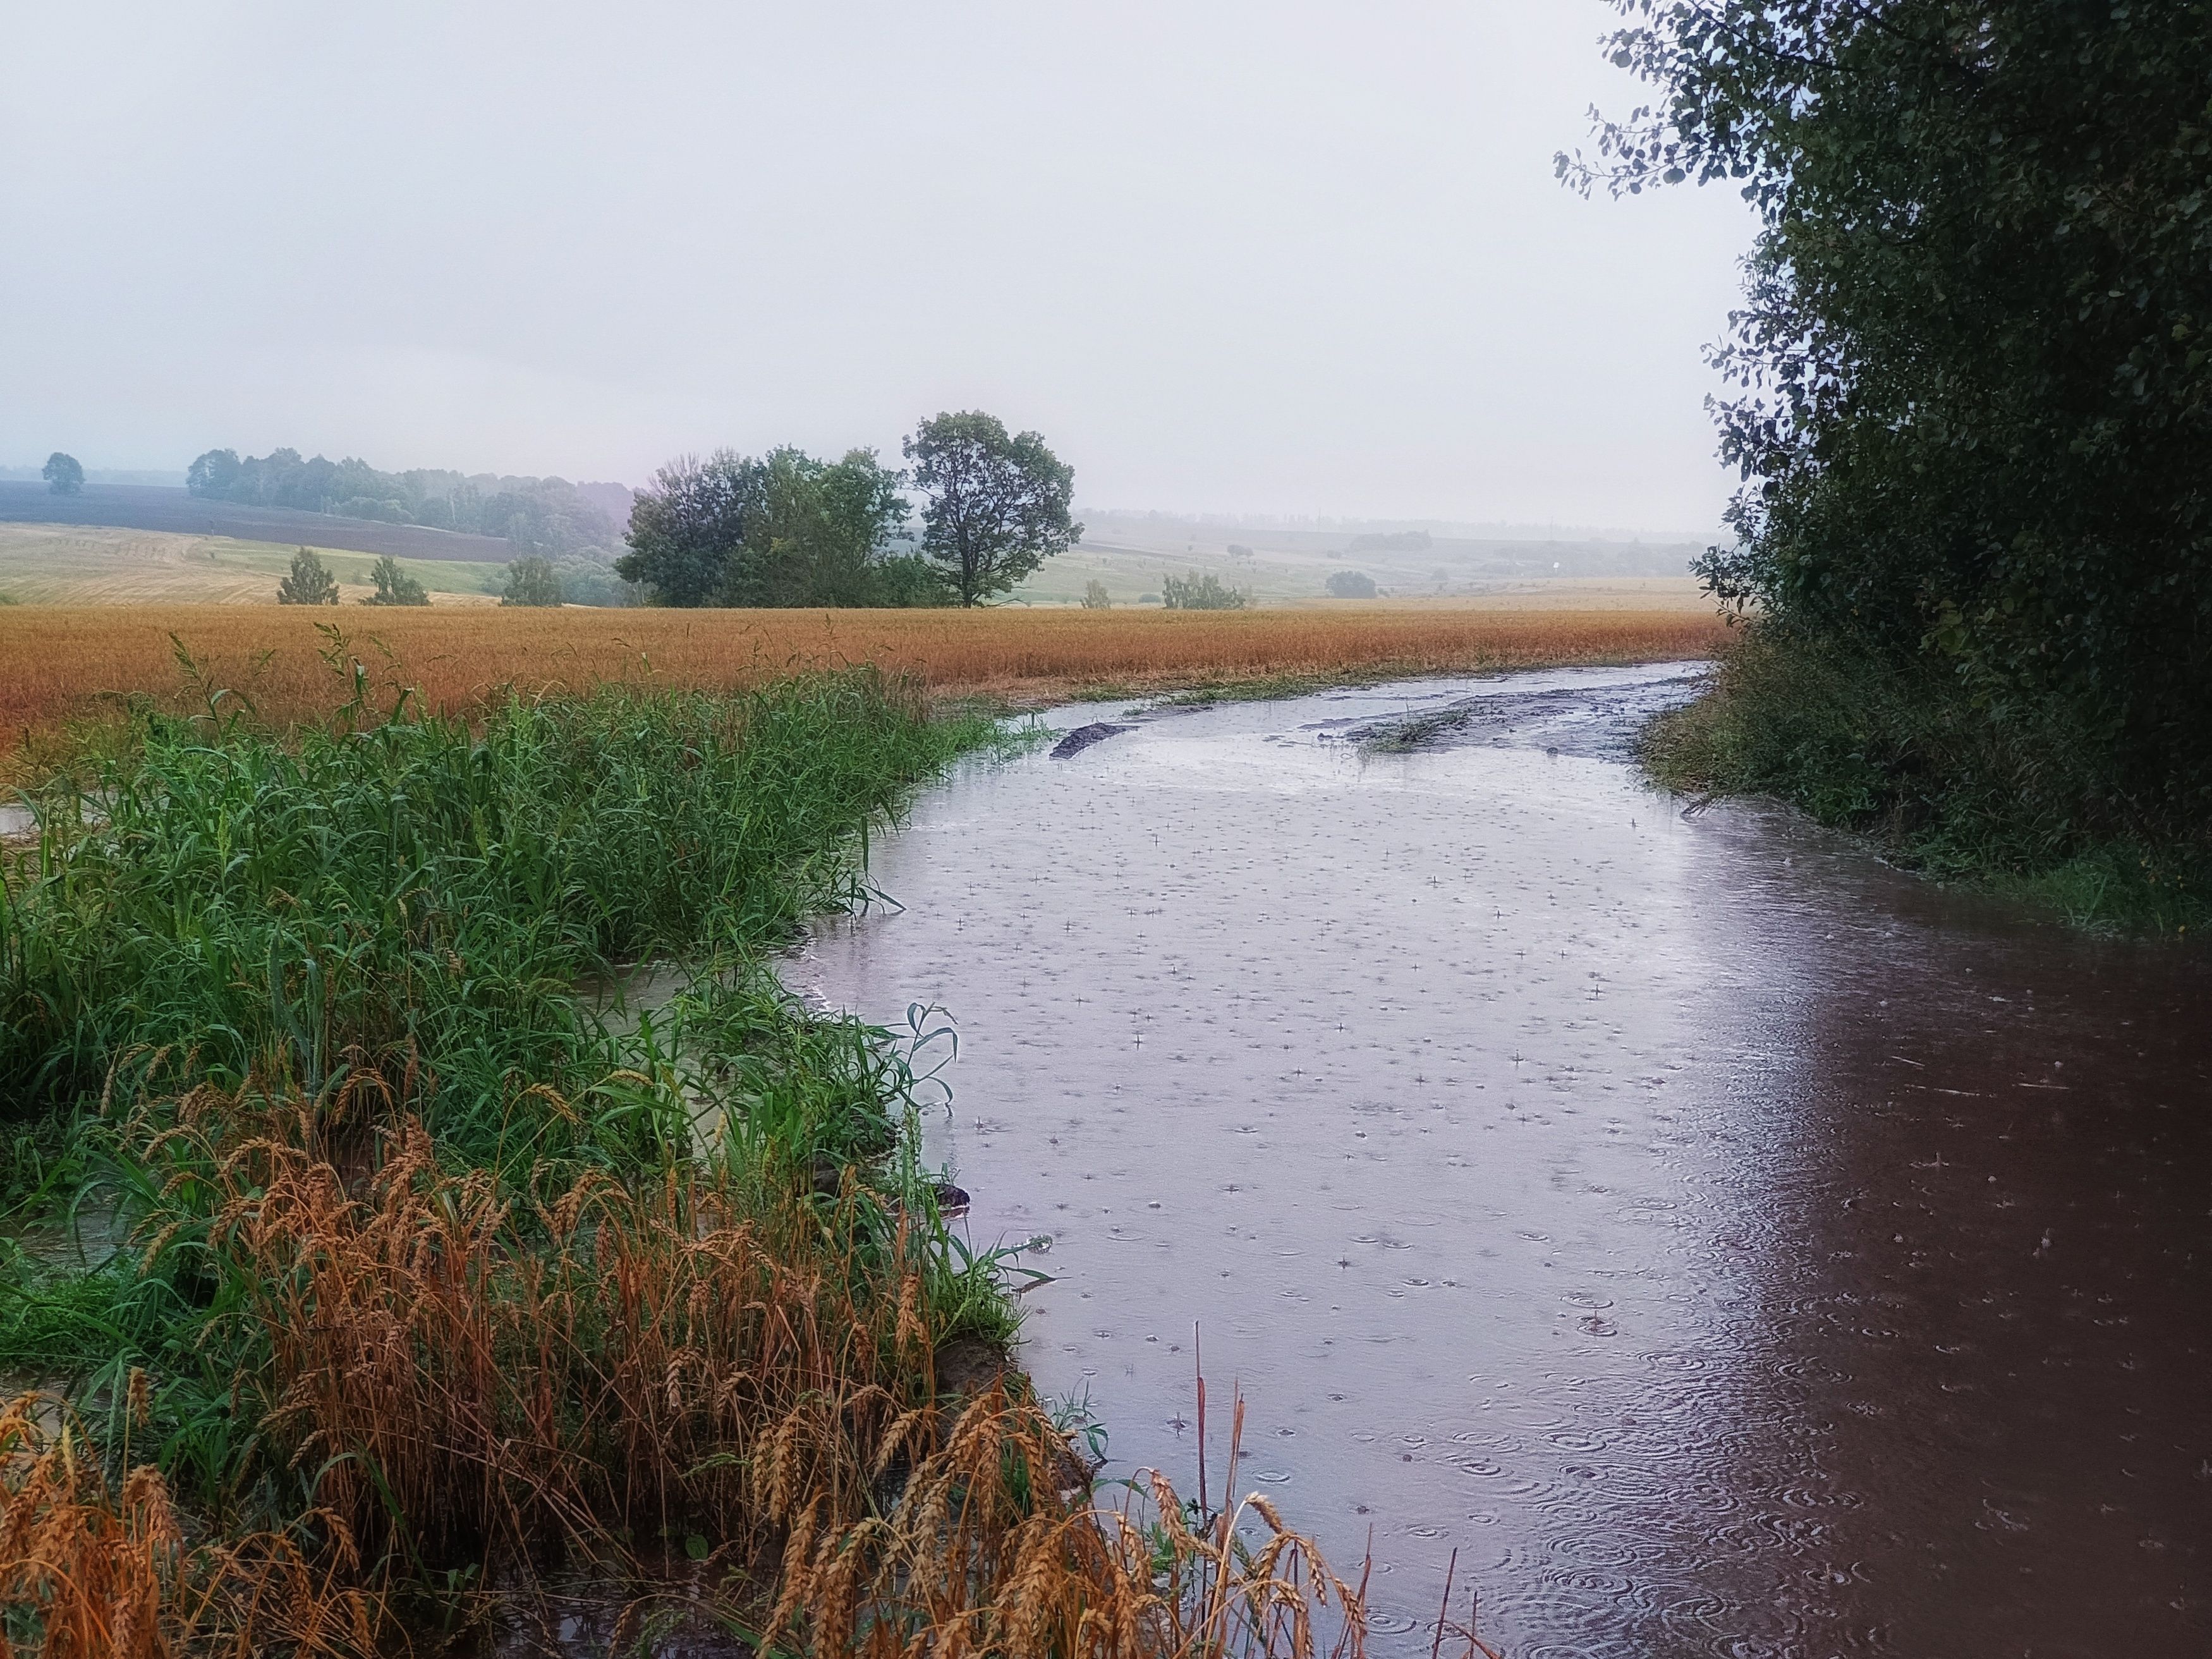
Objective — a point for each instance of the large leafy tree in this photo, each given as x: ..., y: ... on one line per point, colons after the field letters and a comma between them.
x: 688, y: 528
x: 1974, y: 402
x: 62, y: 474
x: 216, y: 473
x: 997, y: 502
x: 820, y: 530
x: 782, y: 529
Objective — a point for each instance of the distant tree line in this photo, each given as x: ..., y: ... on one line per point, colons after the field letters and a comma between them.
x: 1393, y: 541
x: 544, y: 516
x: 782, y: 529
x: 788, y: 528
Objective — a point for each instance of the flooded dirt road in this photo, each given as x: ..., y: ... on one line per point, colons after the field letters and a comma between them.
x: 1731, y: 1245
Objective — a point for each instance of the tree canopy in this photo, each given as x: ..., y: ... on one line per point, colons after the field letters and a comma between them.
x: 688, y: 528
x: 1972, y: 375
x: 309, y: 583
x: 62, y: 474
x: 783, y: 529
x: 998, y: 503
x: 532, y: 581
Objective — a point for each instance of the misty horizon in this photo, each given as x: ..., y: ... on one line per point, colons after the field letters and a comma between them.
x: 173, y: 478
x: 1295, y: 261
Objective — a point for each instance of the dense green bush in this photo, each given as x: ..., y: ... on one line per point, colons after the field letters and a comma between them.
x: 782, y: 529
x: 394, y: 586
x: 1202, y: 592
x: 532, y: 582
x: 1976, y: 415
x: 1883, y: 748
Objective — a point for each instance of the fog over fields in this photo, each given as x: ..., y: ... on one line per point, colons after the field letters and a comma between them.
x: 1303, y: 259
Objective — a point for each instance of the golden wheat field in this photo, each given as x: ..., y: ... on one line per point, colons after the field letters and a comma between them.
x: 58, y: 664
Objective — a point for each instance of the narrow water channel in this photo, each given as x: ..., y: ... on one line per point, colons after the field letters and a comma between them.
x: 1728, y: 1244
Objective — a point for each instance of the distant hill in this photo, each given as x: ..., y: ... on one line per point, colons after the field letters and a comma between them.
x: 1278, y: 561
x: 142, y: 507
x: 1416, y: 558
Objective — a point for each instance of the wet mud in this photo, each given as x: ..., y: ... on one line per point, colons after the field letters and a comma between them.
x: 1730, y: 1245
x: 1085, y: 736
x: 1597, y: 722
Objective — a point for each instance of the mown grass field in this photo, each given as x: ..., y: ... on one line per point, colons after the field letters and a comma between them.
x: 59, y: 664
x: 102, y: 564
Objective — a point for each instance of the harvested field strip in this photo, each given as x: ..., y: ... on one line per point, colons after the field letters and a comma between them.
x: 81, y: 565
x: 58, y: 664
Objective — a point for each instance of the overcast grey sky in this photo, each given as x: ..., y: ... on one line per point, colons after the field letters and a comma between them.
x: 1290, y: 257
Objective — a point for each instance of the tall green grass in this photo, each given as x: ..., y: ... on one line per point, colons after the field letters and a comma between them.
x: 406, y: 917
x: 444, y: 1276
x: 420, y: 899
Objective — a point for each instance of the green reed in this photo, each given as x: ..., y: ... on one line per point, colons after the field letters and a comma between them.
x: 390, y: 917
x: 423, y: 898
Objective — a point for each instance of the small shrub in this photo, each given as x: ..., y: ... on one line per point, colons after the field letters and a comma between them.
x: 1204, y: 591
x: 1351, y: 584
x: 310, y: 583
x: 532, y: 581
x: 394, y: 586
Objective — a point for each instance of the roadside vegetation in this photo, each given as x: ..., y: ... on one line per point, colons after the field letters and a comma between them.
x: 1975, y: 541
x: 376, y: 1262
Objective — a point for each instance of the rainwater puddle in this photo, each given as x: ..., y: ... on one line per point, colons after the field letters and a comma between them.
x: 1731, y: 1245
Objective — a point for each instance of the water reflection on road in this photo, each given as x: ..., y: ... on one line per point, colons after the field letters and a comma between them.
x: 1728, y: 1244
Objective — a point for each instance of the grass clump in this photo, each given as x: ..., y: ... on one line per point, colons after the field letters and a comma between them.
x: 1938, y: 787
x: 422, y: 898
